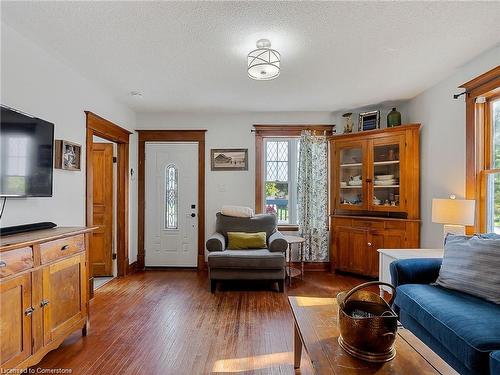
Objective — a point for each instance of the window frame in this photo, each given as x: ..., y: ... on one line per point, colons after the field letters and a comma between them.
x: 480, y: 92
x: 263, y: 131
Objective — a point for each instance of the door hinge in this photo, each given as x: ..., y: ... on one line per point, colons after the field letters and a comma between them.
x: 114, y: 255
x: 114, y: 159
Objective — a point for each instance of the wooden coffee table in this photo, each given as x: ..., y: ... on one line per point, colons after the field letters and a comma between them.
x: 315, y: 329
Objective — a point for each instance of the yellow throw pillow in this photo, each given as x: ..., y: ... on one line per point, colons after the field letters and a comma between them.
x: 242, y: 240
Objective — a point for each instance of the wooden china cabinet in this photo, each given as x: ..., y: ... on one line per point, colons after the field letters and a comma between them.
x: 374, y: 196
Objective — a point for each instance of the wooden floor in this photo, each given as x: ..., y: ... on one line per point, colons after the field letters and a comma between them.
x: 167, y: 322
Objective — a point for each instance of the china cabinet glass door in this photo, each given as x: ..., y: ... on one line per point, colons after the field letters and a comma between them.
x: 351, y: 181
x: 386, y: 180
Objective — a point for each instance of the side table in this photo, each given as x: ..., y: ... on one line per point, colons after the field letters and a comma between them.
x: 387, y: 256
x: 292, y: 271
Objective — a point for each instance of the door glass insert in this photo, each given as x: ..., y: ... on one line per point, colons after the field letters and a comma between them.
x: 171, y: 197
x: 386, y: 171
x: 351, y: 176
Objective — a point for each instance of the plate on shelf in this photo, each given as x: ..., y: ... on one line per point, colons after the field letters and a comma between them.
x: 383, y: 177
x: 355, y: 183
x: 385, y: 182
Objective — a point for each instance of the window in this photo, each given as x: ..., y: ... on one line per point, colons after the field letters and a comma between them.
x: 276, y: 169
x: 281, y: 172
x: 171, y: 197
x: 483, y: 149
x: 492, y: 174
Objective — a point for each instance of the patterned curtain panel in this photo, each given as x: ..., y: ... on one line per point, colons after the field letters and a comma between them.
x: 313, y: 195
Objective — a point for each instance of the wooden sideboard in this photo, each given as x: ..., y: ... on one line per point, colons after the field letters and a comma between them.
x: 374, y: 195
x: 43, y: 292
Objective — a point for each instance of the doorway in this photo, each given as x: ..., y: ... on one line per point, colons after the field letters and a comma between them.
x: 102, y: 128
x: 172, y: 136
x: 171, y: 185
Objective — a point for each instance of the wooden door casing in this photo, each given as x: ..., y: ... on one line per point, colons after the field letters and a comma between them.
x: 15, y: 325
x: 64, y: 295
x: 101, y: 242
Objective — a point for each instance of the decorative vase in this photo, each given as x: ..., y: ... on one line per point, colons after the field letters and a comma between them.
x: 393, y: 118
x: 348, y: 122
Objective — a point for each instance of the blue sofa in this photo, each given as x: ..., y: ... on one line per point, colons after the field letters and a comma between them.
x: 462, y: 329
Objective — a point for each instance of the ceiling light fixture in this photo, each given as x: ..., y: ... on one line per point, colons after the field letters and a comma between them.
x: 264, y: 62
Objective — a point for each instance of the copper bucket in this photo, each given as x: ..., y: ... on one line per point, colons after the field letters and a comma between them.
x: 367, y: 323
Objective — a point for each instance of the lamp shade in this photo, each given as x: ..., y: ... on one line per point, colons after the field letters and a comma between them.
x: 453, y: 211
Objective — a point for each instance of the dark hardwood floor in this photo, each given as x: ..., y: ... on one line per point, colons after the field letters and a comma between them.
x: 168, y: 322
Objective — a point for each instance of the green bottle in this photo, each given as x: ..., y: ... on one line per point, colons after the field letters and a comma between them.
x: 393, y: 118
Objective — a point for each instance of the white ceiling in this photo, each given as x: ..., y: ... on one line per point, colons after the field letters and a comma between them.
x: 191, y: 56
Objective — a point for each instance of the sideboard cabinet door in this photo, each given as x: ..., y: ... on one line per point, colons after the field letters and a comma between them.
x: 15, y: 324
x: 64, y: 288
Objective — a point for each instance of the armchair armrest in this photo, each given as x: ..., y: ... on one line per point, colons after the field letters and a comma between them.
x: 415, y: 271
x: 216, y: 242
x: 277, y: 242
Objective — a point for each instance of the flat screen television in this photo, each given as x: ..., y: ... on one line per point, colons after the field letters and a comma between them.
x: 26, y: 155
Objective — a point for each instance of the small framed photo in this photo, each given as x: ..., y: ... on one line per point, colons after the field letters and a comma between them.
x: 229, y: 159
x: 68, y: 155
x: 369, y: 121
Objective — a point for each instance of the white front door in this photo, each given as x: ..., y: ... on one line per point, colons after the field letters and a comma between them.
x: 171, y: 201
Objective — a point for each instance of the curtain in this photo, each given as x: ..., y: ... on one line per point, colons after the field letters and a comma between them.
x: 313, y: 195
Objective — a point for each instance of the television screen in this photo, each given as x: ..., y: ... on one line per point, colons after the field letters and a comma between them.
x: 26, y: 155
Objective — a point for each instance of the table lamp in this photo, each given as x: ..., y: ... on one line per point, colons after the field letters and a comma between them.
x: 454, y: 213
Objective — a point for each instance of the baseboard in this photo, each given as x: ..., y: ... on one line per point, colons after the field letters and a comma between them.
x: 313, y: 266
x: 132, y: 268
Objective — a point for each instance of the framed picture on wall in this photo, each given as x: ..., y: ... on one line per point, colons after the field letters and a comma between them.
x: 369, y: 120
x: 229, y: 159
x: 68, y: 155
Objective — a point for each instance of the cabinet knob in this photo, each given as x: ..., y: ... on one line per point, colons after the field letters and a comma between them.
x: 369, y: 244
x: 65, y: 247
x: 2, y: 264
x: 29, y: 311
x: 44, y: 303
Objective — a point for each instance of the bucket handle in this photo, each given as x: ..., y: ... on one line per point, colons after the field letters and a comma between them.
x: 364, y: 285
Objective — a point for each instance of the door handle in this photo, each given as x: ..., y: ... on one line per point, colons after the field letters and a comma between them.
x: 29, y: 311
x: 369, y: 244
x: 193, y: 215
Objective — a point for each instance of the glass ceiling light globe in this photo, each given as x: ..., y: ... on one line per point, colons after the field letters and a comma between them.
x: 263, y: 62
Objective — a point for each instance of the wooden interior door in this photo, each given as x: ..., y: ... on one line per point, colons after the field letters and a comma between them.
x: 15, y: 325
x: 64, y: 287
x: 101, y: 240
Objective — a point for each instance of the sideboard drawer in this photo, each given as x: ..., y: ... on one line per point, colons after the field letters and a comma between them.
x: 15, y: 261
x: 54, y: 250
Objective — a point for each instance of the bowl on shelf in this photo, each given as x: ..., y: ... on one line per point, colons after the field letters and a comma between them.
x: 355, y: 183
x: 383, y: 177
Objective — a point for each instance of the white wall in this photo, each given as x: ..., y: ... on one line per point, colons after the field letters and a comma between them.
x: 36, y: 82
x: 443, y: 140
x: 228, y: 131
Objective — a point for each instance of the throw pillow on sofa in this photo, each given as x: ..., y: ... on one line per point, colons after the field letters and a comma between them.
x: 471, y: 265
x: 242, y: 240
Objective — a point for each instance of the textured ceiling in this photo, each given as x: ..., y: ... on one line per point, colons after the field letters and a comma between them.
x: 192, y: 55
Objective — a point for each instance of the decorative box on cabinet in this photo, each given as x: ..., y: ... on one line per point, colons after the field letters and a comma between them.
x: 375, y: 196
x: 43, y: 293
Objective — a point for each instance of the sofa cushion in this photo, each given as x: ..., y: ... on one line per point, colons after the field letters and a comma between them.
x: 243, y: 240
x: 247, y: 259
x: 471, y: 264
x: 467, y: 326
x: 258, y: 223
x: 495, y: 362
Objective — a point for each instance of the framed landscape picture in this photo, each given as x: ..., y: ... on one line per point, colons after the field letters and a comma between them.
x: 229, y: 159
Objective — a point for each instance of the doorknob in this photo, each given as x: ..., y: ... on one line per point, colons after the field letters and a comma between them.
x: 369, y: 244
x: 193, y: 215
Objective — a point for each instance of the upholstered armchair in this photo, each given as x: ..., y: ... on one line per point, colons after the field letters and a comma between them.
x: 249, y: 264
